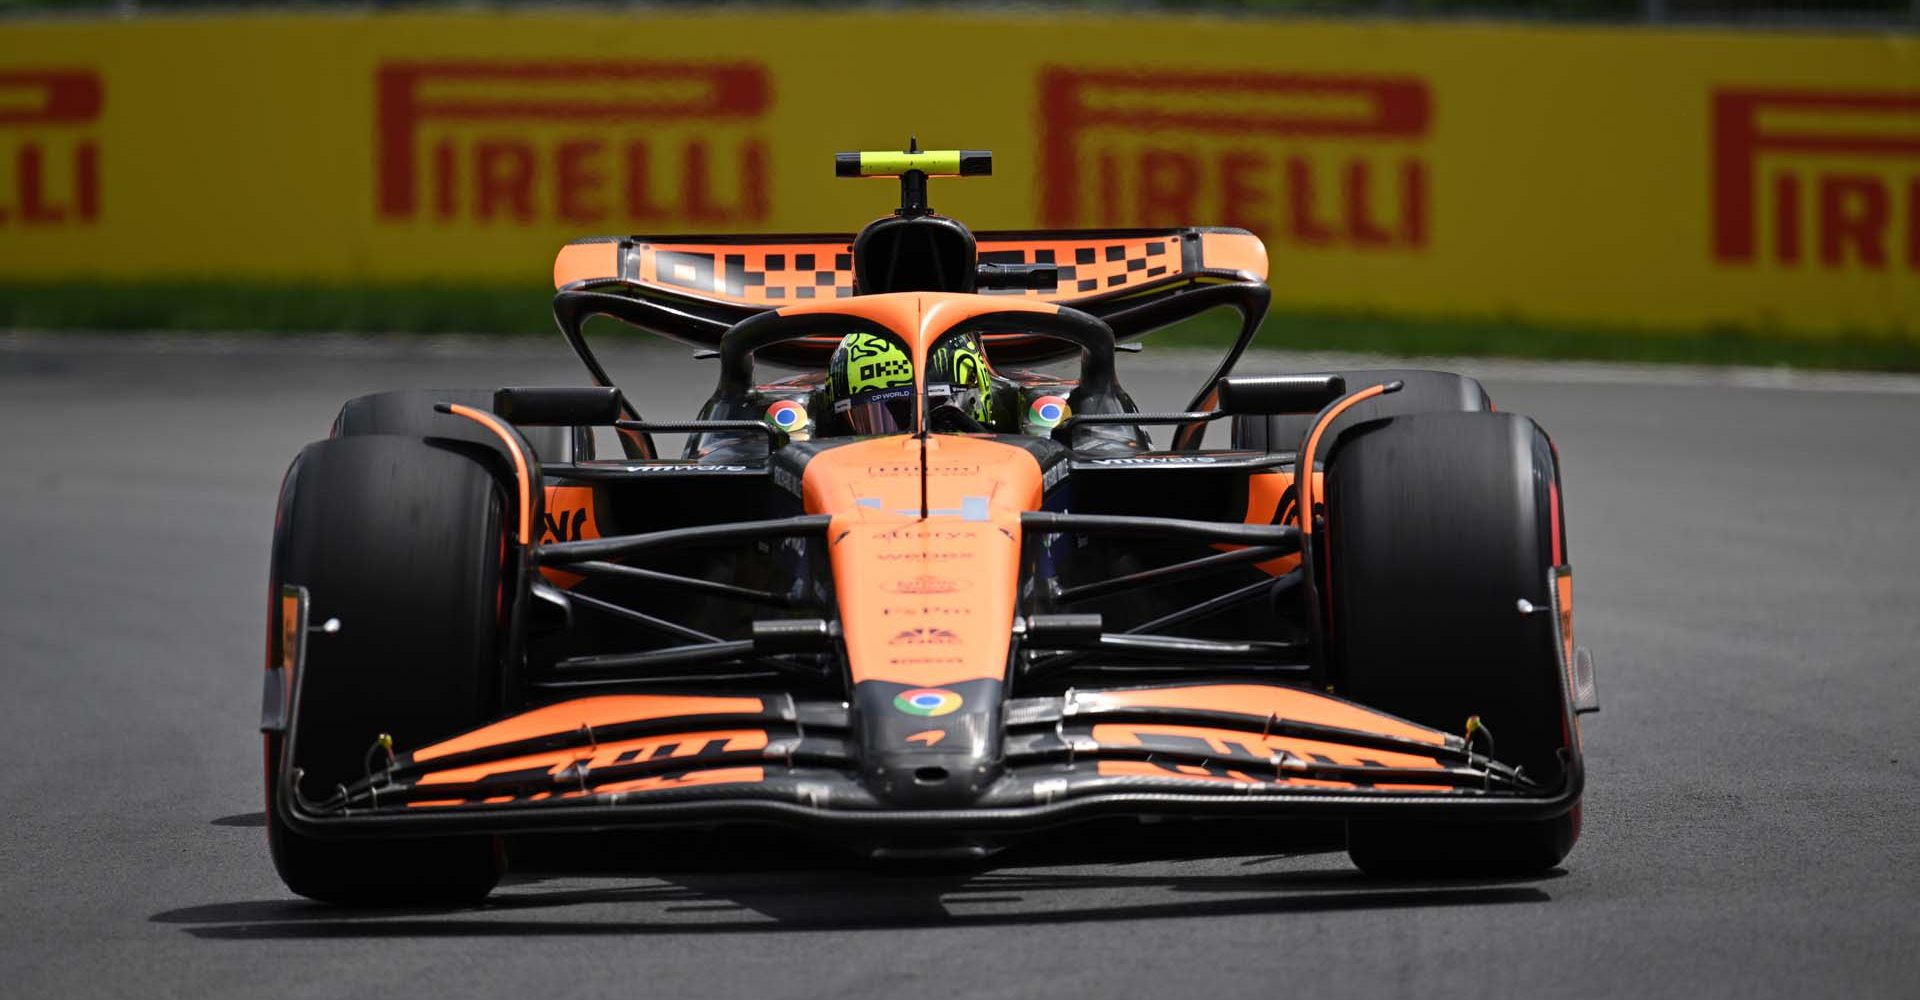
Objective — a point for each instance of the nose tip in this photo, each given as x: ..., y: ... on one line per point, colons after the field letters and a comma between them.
x: 931, y: 780
x: 929, y: 748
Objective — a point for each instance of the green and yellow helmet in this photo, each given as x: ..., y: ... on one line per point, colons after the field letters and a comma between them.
x: 870, y: 381
x: 957, y: 375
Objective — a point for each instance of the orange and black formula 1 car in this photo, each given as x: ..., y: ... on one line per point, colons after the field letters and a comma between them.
x: 976, y: 602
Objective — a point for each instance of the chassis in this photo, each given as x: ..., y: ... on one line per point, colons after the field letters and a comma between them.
x: 937, y: 639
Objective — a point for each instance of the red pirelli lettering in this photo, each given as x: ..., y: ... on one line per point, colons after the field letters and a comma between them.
x: 585, y: 178
x: 51, y: 97
x: 1275, y: 191
x: 55, y: 172
x: 1856, y: 219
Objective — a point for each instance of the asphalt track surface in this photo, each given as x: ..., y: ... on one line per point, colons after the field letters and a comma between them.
x: 1745, y: 548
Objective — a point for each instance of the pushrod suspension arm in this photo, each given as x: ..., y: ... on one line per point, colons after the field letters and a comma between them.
x: 619, y: 546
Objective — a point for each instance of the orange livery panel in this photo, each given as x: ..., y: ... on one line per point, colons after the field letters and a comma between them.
x: 570, y: 716
x: 926, y: 602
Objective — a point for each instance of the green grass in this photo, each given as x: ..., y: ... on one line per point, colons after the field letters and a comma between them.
x: 508, y: 309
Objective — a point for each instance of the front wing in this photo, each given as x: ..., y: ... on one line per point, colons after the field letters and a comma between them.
x: 652, y: 760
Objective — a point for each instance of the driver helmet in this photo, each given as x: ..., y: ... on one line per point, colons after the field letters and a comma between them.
x: 957, y: 374
x: 870, y: 381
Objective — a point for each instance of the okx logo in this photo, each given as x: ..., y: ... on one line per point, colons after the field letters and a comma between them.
x: 49, y: 155
x: 581, y: 142
x: 1313, y: 159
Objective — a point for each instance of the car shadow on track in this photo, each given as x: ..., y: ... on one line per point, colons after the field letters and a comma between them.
x: 747, y: 882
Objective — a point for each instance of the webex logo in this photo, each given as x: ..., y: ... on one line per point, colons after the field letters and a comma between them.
x: 1827, y: 176
x: 574, y: 141
x: 48, y: 147
x: 1317, y: 160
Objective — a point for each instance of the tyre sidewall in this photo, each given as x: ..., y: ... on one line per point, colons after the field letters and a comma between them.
x: 400, y: 540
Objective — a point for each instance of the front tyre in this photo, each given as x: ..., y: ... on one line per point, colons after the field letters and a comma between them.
x: 410, y: 413
x: 1421, y: 391
x: 1437, y: 525
x: 402, y: 541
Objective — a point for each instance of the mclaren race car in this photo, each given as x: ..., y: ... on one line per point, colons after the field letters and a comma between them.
x: 944, y: 587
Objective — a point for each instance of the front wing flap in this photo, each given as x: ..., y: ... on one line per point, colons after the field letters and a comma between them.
x: 1200, y: 749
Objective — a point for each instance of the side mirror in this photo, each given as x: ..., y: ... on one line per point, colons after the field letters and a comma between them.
x: 1044, y: 277
x: 564, y: 406
x: 1273, y: 394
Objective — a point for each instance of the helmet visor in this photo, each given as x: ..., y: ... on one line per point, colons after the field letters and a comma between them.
x: 884, y: 411
x: 964, y: 398
x: 957, y: 377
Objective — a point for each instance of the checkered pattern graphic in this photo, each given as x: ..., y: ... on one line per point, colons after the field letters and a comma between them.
x: 762, y: 275
x: 1089, y: 266
x: 781, y: 274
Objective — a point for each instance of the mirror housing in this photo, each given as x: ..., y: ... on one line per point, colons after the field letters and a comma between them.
x: 559, y: 406
x: 1041, y: 277
x: 1267, y: 395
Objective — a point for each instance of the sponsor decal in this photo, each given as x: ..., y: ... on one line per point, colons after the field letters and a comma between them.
x: 926, y: 583
x: 1046, y: 412
x: 943, y: 660
x: 1311, y: 160
x: 928, y: 610
x: 923, y: 556
x: 890, y: 471
x: 48, y: 146
x: 927, y: 737
x: 972, y: 508
x: 1232, y: 747
x: 875, y: 396
x: 928, y: 702
x: 919, y: 533
x: 889, y: 368
x: 925, y: 636
x: 568, y: 515
x: 1155, y: 460
x: 563, y: 525
x: 1827, y: 179
x: 687, y: 467
x: 788, y: 416
x: 568, y: 766
x: 576, y: 141
x: 1054, y: 474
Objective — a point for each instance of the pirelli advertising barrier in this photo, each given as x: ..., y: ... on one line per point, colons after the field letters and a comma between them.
x: 1657, y: 178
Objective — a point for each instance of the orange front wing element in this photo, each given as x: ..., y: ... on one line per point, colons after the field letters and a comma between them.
x: 587, y: 713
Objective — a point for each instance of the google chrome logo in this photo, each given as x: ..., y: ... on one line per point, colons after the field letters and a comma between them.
x: 927, y: 701
x: 787, y: 415
x: 1047, y: 412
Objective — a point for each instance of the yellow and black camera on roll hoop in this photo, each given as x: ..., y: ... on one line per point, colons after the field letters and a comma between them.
x: 916, y: 249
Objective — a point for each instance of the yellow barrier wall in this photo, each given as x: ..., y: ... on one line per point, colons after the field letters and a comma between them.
x: 1587, y: 175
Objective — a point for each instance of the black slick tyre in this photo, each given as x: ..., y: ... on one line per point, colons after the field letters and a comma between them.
x: 401, y: 541
x: 410, y: 413
x: 1422, y: 392
x: 1437, y: 525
